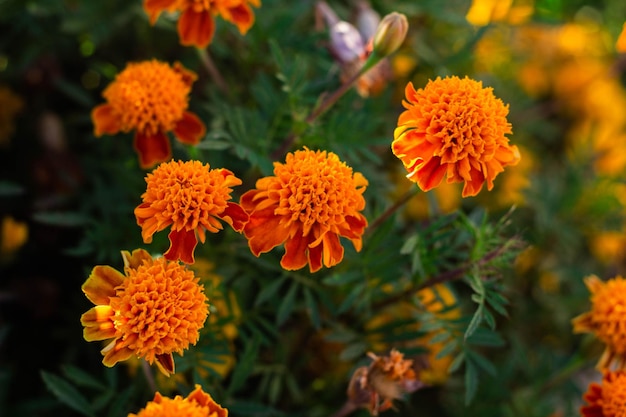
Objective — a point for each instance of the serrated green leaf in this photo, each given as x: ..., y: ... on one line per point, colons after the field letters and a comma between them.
x: 119, y: 406
x: 477, y: 318
x: 67, y: 394
x: 485, y: 337
x: 448, y: 349
x: 245, y: 365
x: 481, y: 362
x: 287, y: 305
x: 409, y: 245
x: 268, y: 291
x: 456, y: 362
x: 439, y: 338
x: 82, y: 378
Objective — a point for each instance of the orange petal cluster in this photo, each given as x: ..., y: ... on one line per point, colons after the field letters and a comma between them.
x: 607, y: 399
x: 151, y: 99
x: 606, y: 319
x: 456, y: 128
x: 197, y: 404
x: 190, y: 197
x: 310, y: 201
x: 195, y: 24
x: 154, y: 309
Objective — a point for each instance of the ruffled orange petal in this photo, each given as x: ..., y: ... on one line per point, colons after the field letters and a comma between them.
x: 152, y: 149
x: 189, y: 129
x: 165, y: 363
x: 241, y: 16
x: 315, y: 258
x: 98, y: 323
x: 264, y: 231
x: 155, y: 7
x: 235, y: 216
x: 136, y: 259
x: 474, y: 185
x: 101, y: 283
x: 430, y: 174
x: 105, y: 120
x: 296, y: 252
x: 115, y: 352
x: 182, y: 245
x: 148, y: 222
x: 205, y: 400
x: 196, y: 28
x: 331, y: 249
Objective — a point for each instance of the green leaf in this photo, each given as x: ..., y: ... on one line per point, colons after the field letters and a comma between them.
x: 10, y: 189
x: 251, y: 408
x: 353, y: 351
x: 471, y: 382
x: 482, y: 362
x: 312, y: 309
x: 82, y: 378
x: 456, y: 362
x: 286, y: 306
x: 485, y: 337
x: 475, y: 322
x: 67, y: 394
x: 63, y: 219
x: 268, y: 291
x: 119, y: 406
x: 245, y: 365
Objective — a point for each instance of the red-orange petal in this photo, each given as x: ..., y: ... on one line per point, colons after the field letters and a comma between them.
x: 190, y: 129
x: 105, y: 121
x: 196, y: 28
x: 264, y: 231
x: 296, y: 252
x: 331, y: 249
x: 152, y: 149
x: 242, y: 17
x: 165, y: 363
x: 155, y: 7
x: 430, y: 174
x: 235, y: 216
x: 315, y: 258
x: 182, y: 245
x: 136, y: 259
x: 101, y: 283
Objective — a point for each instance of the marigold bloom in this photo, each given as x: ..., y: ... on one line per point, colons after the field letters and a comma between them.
x: 195, y: 24
x: 154, y: 309
x: 607, y: 399
x: 453, y: 127
x: 197, y: 404
x: 312, y: 200
x: 150, y: 98
x: 190, y: 197
x: 606, y: 319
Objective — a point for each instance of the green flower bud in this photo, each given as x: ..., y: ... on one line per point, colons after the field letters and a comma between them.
x: 390, y: 34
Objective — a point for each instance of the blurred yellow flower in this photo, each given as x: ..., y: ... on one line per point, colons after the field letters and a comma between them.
x: 620, y: 44
x: 484, y: 12
x: 14, y: 235
x: 608, y: 246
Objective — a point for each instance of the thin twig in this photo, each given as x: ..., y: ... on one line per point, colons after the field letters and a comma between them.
x: 214, y: 73
x: 145, y: 366
x: 406, y: 197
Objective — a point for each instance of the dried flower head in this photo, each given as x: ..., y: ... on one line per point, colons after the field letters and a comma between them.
x: 154, y: 309
x: 453, y: 127
x: 195, y: 24
x: 385, y: 380
x: 197, y: 404
x: 607, y: 399
x: 150, y: 98
x: 606, y: 319
x: 312, y: 200
x: 190, y: 197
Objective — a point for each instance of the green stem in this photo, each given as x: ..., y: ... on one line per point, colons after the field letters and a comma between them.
x: 145, y: 366
x: 214, y: 73
x: 393, y: 208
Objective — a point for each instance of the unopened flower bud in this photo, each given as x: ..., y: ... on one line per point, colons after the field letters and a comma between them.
x: 390, y: 34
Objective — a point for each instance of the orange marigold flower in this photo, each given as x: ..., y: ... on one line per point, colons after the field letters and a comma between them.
x: 190, y: 197
x: 607, y: 319
x: 607, y: 399
x: 312, y: 200
x: 453, y: 127
x: 196, y: 25
x: 150, y: 98
x: 197, y: 404
x: 154, y: 309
